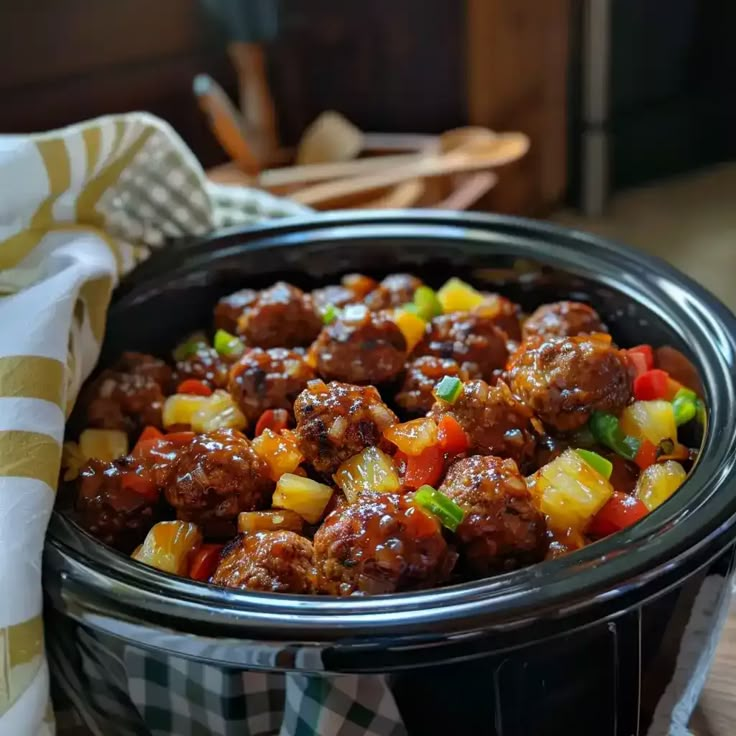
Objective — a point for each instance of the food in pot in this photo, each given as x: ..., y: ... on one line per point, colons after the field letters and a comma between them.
x: 416, y: 395
x: 394, y: 291
x: 563, y: 319
x: 215, y: 477
x: 359, y: 346
x: 335, y: 421
x: 563, y: 380
x: 381, y: 544
x: 373, y: 438
x: 200, y: 363
x: 274, y: 561
x: 130, y: 396
x: 502, y: 529
x: 470, y: 339
x: 268, y: 379
x: 494, y: 421
x: 281, y: 316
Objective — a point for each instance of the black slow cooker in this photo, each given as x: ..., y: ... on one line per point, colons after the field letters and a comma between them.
x: 590, y: 643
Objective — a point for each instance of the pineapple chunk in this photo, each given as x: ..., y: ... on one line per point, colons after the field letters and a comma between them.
x: 457, y: 296
x: 371, y: 470
x: 651, y: 420
x: 250, y: 522
x: 180, y: 409
x: 570, y: 492
x: 103, y: 444
x: 658, y: 482
x: 169, y: 546
x: 303, y: 495
x: 412, y: 326
x: 413, y: 437
x: 279, y: 451
x: 219, y: 411
x: 203, y: 413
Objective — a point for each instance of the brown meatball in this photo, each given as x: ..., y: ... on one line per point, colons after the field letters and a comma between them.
x: 353, y: 288
x: 281, y: 316
x: 337, y: 420
x: 118, y: 516
x: 206, y: 365
x: 495, y: 422
x: 422, y: 375
x: 216, y: 477
x: 503, y: 313
x: 471, y: 340
x: 268, y: 379
x: 563, y: 319
x: 501, y: 530
x: 564, y: 379
x: 383, y: 544
x: 360, y: 347
x: 275, y: 562
x: 128, y: 399
x: 393, y: 291
x: 142, y: 364
x: 230, y: 308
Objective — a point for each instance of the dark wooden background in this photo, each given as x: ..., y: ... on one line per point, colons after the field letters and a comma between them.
x: 389, y: 65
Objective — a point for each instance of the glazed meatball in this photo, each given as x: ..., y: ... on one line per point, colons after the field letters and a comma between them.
x: 501, y: 530
x: 471, y: 340
x: 360, y: 347
x: 230, y: 308
x: 352, y: 288
x: 268, y: 379
x: 503, y: 313
x: 383, y: 544
x: 422, y: 375
x: 495, y: 422
x: 393, y: 291
x: 281, y: 316
x: 563, y: 319
x: 204, y: 364
x: 337, y: 420
x: 114, y: 514
x: 142, y: 364
x: 564, y: 379
x: 130, y: 396
x: 214, y: 478
x: 275, y: 562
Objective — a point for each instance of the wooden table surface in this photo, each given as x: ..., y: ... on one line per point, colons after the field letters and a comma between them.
x: 715, y: 714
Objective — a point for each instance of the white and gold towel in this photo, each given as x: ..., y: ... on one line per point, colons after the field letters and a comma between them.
x: 79, y: 208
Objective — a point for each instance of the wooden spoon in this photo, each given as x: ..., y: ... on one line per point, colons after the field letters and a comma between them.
x: 472, y: 156
x: 331, y: 137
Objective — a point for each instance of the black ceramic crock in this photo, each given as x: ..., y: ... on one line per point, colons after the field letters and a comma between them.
x: 585, y: 644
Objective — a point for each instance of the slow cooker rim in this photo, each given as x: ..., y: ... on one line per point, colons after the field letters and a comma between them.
x: 498, y: 595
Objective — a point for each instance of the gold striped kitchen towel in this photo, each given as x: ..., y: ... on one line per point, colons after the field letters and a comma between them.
x: 79, y: 207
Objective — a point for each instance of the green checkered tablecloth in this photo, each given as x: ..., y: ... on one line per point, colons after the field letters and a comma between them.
x: 98, y: 680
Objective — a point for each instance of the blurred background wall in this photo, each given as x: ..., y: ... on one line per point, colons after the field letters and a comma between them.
x: 402, y: 65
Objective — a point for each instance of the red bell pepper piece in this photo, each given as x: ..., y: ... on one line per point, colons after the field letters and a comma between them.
x: 638, y: 363
x: 651, y: 385
x: 149, y: 436
x: 646, y: 352
x: 205, y: 561
x: 194, y: 387
x: 179, y: 438
x: 619, y: 512
x: 141, y: 485
x: 273, y: 419
x: 647, y: 454
x: 453, y: 438
x: 425, y: 468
